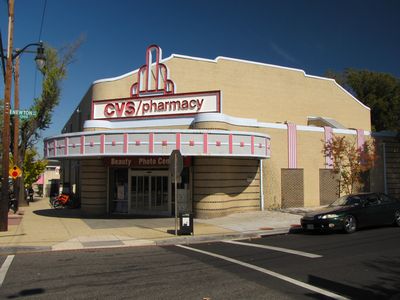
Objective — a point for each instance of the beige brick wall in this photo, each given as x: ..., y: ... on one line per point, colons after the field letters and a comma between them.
x: 269, y: 94
x: 93, y: 176
x: 80, y: 114
x: 310, y: 158
x: 224, y: 185
x: 272, y: 168
x: 249, y: 90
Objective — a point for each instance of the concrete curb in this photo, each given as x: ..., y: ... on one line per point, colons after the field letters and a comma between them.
x: 23, y: 249
x: 186, y: 240
x: 229, y: 236
x: 218, y: 237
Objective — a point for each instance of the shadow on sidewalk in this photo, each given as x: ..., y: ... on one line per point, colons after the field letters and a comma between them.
x: 77, y: 213
x: 59, y: 213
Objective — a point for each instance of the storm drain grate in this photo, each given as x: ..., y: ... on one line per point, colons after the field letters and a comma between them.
x: 102, y: 243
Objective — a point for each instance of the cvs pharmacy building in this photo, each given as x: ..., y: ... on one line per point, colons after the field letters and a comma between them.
x: 224, y: 116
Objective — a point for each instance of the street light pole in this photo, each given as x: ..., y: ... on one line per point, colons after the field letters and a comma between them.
x: 6, y: 120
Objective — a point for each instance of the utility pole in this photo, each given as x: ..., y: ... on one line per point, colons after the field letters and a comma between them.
x: 6, y: 124
x: 19, y: 190
x: 16, y: 109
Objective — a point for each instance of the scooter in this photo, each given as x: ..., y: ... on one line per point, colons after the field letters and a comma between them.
x: 30, y: 195
x: 12, y: 202
x: 65, y: 200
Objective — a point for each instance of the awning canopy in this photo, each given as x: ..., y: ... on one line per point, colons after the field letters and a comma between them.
x: 40, y: 180
x: 157, y: 143
x: 323, y: 121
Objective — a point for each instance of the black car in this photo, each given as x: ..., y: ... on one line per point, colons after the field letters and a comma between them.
x: 354, y: 211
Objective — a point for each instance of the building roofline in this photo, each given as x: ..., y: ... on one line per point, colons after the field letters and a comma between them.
x: 235, y: 60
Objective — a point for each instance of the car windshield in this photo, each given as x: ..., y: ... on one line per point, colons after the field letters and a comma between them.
x: 346, y: 200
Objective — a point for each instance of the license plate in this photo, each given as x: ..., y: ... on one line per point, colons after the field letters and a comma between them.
x: 310, y: 226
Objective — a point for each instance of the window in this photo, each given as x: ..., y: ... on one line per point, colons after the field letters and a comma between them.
x: 119, y: 188
x: 373, y: 199
x: 386, y: 199
x: 354, y: 200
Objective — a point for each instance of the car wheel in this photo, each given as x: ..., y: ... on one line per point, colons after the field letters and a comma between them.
x: 349, y: 224
x: 397, y: 218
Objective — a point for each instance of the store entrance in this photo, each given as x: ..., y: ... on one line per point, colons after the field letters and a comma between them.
x: 149, y: 192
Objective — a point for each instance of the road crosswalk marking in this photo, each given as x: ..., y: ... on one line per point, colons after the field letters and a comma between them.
x: 4, y: 268
x: 296, y: 252
x: 269, y: 272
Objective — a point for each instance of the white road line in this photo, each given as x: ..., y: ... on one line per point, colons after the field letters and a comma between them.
x: 4, y: 268
x: 268, y: 272
x: 301, y: 253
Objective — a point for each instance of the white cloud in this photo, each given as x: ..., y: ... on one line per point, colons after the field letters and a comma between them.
x: 278, y: 50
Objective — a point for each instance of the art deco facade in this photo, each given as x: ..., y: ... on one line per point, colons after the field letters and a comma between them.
x: 251, y: 137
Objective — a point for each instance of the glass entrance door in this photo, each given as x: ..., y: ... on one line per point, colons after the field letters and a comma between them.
x: 149, y: 192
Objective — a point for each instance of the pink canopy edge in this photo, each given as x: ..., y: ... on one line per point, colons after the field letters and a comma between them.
x: 40, y: 180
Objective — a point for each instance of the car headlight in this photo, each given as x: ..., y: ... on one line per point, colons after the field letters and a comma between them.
x: 328, y: 216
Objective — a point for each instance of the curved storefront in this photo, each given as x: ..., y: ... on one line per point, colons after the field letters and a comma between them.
x: 127, y: 143
x: 137, y: 163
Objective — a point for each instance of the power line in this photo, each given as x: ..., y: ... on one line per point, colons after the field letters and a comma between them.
x: 40, y: 37
x: 41, y: 23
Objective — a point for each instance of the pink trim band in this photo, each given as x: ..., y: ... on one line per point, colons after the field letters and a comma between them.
x: 82, y: 150
x: 205, y: 143
x: 230, y: 144
x: 292, y: 145
x: 125, y: 143
x: 102, y: 143
x: 328, y: 137
x: 178, y: 141
x: 151, y: 142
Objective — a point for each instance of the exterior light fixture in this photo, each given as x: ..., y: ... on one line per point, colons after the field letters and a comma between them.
x: 40, y: 58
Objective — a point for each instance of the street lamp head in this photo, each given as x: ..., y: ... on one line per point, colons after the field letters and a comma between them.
x: 40, y: 58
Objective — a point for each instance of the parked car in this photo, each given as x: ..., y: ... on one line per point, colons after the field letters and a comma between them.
x: 354, y: 211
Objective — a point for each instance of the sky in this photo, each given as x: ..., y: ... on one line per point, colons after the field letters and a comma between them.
x: 312, y: 35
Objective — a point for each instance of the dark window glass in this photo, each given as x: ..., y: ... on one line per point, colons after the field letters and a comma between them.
x: 373, y: 199
x: 353, y: 200
x: 386, y: 199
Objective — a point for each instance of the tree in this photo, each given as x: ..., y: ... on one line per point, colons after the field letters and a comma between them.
x: 33, y: 167
x: 30, y: 129
x: 54, y: 72
x: 349, y: 161
x: 379, y: 91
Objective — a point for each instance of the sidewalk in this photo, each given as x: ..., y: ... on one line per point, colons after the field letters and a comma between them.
x: 42, y: 228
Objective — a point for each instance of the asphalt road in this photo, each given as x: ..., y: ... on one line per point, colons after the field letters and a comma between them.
x: 363, y: 265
